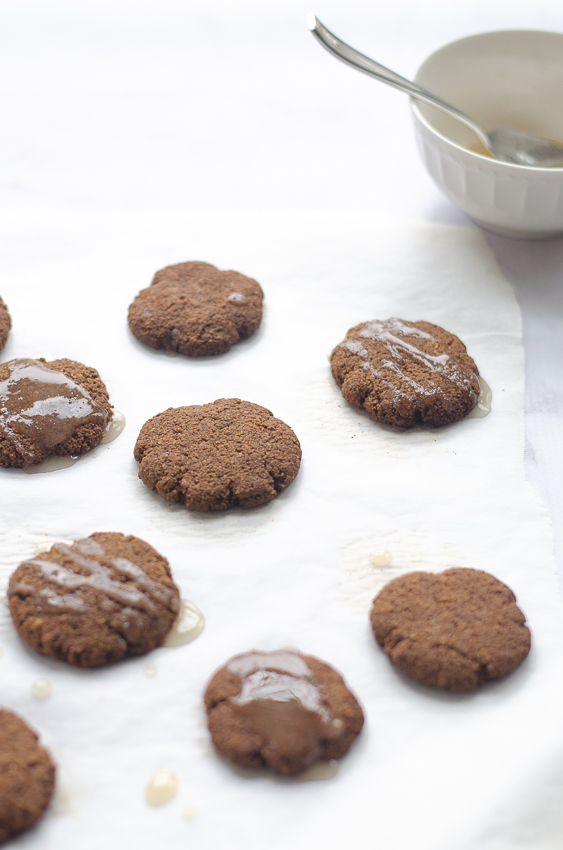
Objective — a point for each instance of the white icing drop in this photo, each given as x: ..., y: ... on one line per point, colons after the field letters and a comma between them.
x: 41, y: 689
x: 46, y: 546
x: 162, y: 787
x: 380, y: 559
x: 321, y: 770
x: 189, y: 624
x: 114, y: 428
x: 484, y: 404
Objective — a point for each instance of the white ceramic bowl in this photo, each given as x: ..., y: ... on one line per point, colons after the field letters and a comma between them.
x: 500, y: 79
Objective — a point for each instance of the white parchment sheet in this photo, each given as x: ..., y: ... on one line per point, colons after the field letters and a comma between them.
x: 431, y: 770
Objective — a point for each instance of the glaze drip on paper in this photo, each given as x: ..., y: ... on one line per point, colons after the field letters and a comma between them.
x: 188, y: 625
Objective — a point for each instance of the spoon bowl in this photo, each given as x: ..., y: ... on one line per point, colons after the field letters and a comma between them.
x: 512, y: 78
x: 508, y: 79
x: 504, y: 143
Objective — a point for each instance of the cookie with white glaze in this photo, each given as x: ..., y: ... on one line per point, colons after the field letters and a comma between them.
x: 281, y: 710
x: 405, y: 373
x: 58, y: 408
x: 95, y: 602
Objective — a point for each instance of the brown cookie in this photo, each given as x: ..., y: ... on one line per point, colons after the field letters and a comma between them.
x: 453, y: 630
x: 5, y: 324
x: 57, y: 408
x: 27, y: 776
x: 281, y: 710
x: 216, y: 456
x: 196, y: 309
x: 95, y: 602
x: 405, y: 373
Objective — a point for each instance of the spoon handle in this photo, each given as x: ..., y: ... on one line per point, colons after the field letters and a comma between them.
x: 369, y: 66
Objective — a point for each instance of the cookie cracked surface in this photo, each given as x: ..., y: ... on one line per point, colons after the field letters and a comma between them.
x: 281, y: 710
x: 27, y: 776
x: 405, y: 373
x: 61, y: 408
x: 453, y: 630
x: 196, y: 309
x: 216, y: 456
x: 103, y: 598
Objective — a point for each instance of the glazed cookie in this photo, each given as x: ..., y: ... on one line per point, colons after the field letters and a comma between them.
x: 453, y: 630
x: 405, y: 373
x: 27, y: 776
x: 60, y: 409
x: 216, y: 456
x: 5, y: 324
x: 281, y: 710
x: 196, y: 309
x: 95, y: 602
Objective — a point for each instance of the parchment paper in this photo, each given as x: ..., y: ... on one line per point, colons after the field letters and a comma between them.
x: 430, y: 770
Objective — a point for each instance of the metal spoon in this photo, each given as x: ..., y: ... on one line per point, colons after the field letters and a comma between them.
x: 503, y: 143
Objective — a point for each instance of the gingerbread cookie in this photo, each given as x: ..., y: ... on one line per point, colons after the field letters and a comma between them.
x: 281, y: 710
x: 27, y: 776
x: 405, y: 373
x: 102, y: 599
x: 453, y: 630
x: 196, y: 309
x: 216, y: 456
x: 5, y: 324
x: 60, y: 408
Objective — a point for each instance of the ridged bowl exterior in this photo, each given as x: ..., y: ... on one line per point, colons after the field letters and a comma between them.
x: 509, y: 78
x: 525, y: 203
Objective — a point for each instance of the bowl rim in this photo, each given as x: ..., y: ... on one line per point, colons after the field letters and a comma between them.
x: 534, y: 169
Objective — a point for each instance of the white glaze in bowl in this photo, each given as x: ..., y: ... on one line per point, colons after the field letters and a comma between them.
x: 509, y: 78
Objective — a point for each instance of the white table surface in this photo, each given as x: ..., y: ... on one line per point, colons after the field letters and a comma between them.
x: 164, y: 106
